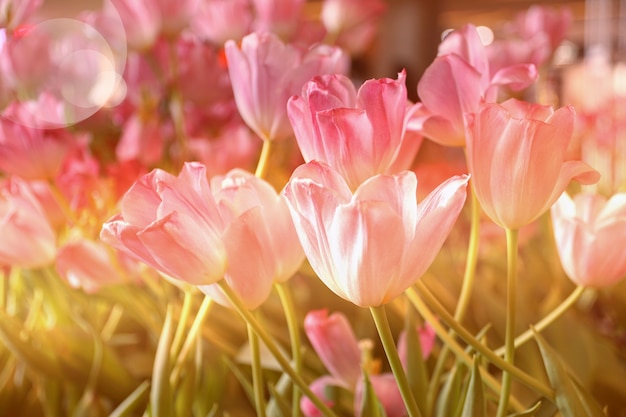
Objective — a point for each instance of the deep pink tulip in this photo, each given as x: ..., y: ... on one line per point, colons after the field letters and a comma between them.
x: 370, y: 246
x: 457, y: 81
x: 590, y: 232
x: 260, y: 238
x: 516, y: 154
x: 28, y: 240
x: 359, y: 133
x: 173, y: 224
x: 265, y: 72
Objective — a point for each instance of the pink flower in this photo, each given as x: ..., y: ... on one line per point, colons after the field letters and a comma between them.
x: 141, y: 20
x: 142, y: 139
x: 91, y: 265
x: 176, y: 15
x: 221, y: 20
x: 28, y: 240
x: 352, y: 23
x: 516, y: 154
x: 260, y: 239
x: 15, y: 12
x: 370, y: 246
x: 589, y: 232
x: 456, y: 83
x: 172, y: 224
x: 265, y: 72
x: 360, y: 134
x: 280, y: 17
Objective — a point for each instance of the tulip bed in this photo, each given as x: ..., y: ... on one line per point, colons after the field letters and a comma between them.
x: 202, y: 214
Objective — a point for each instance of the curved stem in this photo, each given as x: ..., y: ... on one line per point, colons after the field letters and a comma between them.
x: 182, y: 325
x: 509, y: 337
x: 261, y: 168
x: 257, y: 372
x: 271, y: 346
x: 547, y: 320
x: 62, y: 202
x: 455, y: 347
x: 386, y: 337
x: 294, y: 337
x: 487, y: 353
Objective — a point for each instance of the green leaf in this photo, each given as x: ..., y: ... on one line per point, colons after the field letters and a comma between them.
x: 571, y: 399
x: 474, y: 405
x: 415, y: 367
x: 370, y: 406
x: 450, y: 395
x: 530, y: 412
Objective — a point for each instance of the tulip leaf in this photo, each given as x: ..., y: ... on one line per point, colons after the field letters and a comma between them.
x: 571, y: 399
x: 161, y: 392
x: 370, y: 405
x: 450, y: 395
x: 415, y: 367
x: 278, y: 406
x: 127, y: 407
x: 279, y: 391
x: 242, y: 378
x: 474, y: 405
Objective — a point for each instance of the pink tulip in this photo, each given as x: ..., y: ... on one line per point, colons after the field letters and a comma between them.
x: 176, y: 15
x: 221, y: 20
x: 352, y: 23
x: 370, y: 246
x: 260, y: 239
x: 172, y: 224
x: 265, y: 72
x: 15, y: 12
x: 142, y: 139
x: 280, y: 17
x: 90, y: 265
x: 387, y: 392
x: 28, y: 240
x: 141, y: 20
x: 589, y: 232
x: 516, y: 155
x: 456, y: 83
x: 360, y: 134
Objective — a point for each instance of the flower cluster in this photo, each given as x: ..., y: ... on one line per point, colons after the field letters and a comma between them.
x: 188, y: 187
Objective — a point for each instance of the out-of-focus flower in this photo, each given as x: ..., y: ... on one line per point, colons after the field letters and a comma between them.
x: 516, y: 155
x: 280, y: 17
x: 91, y: 265
x: 360, y: 134
x: 172, y: 224
x: 259, y: 227
x: 176, y: 15
x: 141, y: 139
x: 370, y: 246
x: 352, y: 24
x: 28, y: 151
x: 141, y: 20
x: 265, y: 72
x: 221, y: 20
x: 15, y: 12
x: 456, y: 83
x: 590, y: 231
x: 27, y: 238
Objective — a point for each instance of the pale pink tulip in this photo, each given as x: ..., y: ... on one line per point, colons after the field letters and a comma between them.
x: 142, y: 139
x: 554, y: 23
x: 387, y: 392
x: 221, y: 20
x: 172, y: 224
x: 176, y: 15
x: 90, y: 265
x: 15, y: 12
x: 141, y: 20
x: 457, y: 81
x: 352, y: 24
x: 280, y: 17
x: 28, y: 240
x: 516, y: 154
x: 265, y: 72
x: 590, y: 232
x: 260, y: 238
x: 360, y: 134
x: 370, y: 246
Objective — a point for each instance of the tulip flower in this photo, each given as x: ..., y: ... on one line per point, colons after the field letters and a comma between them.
x: 370, y: 246
x: 15, y: 12
x: 456, y: 83
x: 280, y: 17
x: 516, y: 154
x: 352, y: 24
x: 265, y: 72
x: 172, y: 224
x: 258, y: 227
x: 28, y: 240
x: 360, y: 134
x: 221, y: 20
x: 590, y: 231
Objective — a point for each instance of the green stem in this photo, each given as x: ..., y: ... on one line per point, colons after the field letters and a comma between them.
x: 464, y: 297
x: 262, y: 166
x: 547, y: 320
x: 62, y: 202
x: 271, y: 346
x: 294, y: 337
x: 509, y: 337
x: 386, y: 337
x: 457, y: 349
x: 487, y: 353
x: 182, y: 325
x: 257, y: 372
